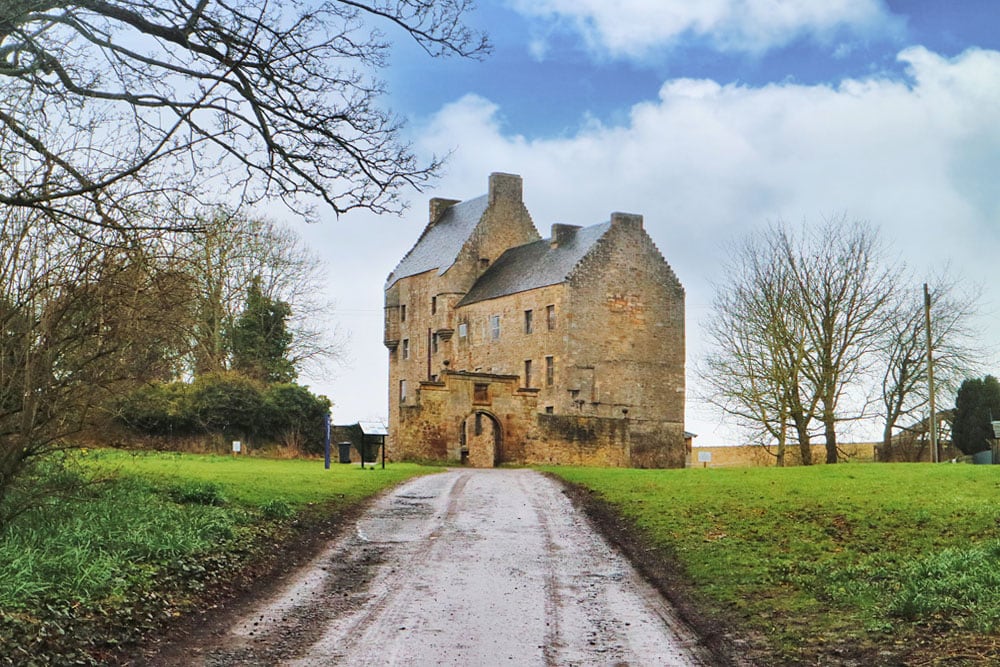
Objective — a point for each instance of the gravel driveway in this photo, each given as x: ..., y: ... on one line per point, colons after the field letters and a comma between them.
x: 467, y: 567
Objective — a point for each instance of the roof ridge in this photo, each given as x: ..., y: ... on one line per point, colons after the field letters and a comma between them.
x: 449, y: 248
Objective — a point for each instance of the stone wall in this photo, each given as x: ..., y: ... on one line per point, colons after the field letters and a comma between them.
x: 756, y: 456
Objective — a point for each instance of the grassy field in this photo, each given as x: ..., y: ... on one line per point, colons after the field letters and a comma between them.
x: 882, y: 563
x: 149, y: 538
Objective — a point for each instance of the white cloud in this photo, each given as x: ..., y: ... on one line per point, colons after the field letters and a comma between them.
x: 704, y: 163
x: 634, y: 28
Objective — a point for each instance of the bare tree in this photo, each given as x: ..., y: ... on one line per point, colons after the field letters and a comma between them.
x: 755, y: 368
x: 231, y: 252
x: 117, y: 106
x: 795, y: 328
x: 903, y: 351
x: 843, y: 287
x: 80, y: 324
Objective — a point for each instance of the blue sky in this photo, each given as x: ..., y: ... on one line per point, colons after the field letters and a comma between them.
x: 711, y: 119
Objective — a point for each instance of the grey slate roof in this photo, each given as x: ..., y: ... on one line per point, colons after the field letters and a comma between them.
x: 534, y: 265
x: 439, y: 245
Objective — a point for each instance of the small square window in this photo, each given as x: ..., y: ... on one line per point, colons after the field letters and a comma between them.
x: 481, y: 393
x: 527, y: 321
x: 549, y: 410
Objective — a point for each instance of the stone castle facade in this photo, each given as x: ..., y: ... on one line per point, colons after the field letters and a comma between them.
x: 506, y: 347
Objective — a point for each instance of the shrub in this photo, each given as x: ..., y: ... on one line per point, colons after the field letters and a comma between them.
x: 198, y: 493
x: 159, y: 409
x: 229, y: 405
x: 296, y: 415
x: 276, y: 509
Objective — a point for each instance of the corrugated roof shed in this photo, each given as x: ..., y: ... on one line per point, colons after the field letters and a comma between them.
x: 534, y: 265
x: 439, y: 245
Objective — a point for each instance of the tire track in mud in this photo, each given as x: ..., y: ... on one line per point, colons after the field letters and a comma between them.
x: 468, y: 567
x: 553, y: 599
x: 341, y: 639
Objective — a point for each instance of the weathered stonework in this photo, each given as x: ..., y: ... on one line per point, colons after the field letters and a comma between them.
x: 508, y: 348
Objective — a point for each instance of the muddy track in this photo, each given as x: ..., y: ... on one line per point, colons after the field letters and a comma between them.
x: 468, y: 567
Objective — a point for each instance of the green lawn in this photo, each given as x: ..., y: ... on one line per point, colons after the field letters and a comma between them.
x: 880, y: 560
x: 148, y: 538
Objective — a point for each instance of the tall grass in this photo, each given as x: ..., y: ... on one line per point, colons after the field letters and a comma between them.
x: 142, y: 540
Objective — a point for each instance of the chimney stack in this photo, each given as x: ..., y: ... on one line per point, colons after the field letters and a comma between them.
x: 439, y: 206
x: 623, y: 220
x: 562, y: 234
x: 505, y: 186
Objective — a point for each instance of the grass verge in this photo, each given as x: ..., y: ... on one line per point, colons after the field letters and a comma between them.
x: 154, y: 536
x: 848, y: 564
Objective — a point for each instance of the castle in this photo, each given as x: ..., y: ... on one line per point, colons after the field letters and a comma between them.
x: 508, y: 348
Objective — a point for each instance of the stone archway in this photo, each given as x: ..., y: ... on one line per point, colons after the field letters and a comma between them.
x: 482, y: 440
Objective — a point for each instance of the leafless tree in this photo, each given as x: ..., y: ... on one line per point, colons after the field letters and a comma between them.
x: 796, y: 327
x: 80, y: 323
x: 230, y: 251
x: 903, y: 352
x: 115, y: 106
x: 755, y: 369
x: 843, y: 286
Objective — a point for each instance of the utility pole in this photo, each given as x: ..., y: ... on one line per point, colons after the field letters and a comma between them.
x: 930, y: 375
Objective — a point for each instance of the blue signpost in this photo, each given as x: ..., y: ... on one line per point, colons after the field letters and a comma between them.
x: 326, y: 424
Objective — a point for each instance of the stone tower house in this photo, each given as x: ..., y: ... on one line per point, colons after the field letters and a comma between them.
x: 505, y: 347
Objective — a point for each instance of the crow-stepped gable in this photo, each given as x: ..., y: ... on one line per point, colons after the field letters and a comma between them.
x: 506, y: 347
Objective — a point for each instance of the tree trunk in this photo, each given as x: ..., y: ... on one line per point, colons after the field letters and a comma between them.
x: 886, y: 444
x: 831, y: 440
x: 805, y: 446
x: 782, y: 438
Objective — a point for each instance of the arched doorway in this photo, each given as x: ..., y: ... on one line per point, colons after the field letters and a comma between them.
x: 482, y: 440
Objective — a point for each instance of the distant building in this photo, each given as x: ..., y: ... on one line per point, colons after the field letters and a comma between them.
x: 505, y: 347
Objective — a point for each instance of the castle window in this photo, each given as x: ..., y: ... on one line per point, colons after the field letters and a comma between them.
x: 406, y: 348
x: 550, y: 317
x: 434, y: 304
x: 550, y: 371
x: 527, y: 321
x: 480, y: 393
x: 463, y: 330
x: 479, y: 423
x: 549, y: 410
x: 495, y: 327
x: 402, y: 391
x: 434, y: 343
x: 402, y: 313
x: 527, y: 372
